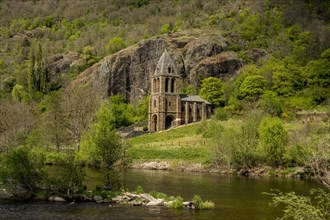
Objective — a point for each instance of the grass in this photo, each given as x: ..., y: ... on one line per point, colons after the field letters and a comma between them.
x: 179, y: 144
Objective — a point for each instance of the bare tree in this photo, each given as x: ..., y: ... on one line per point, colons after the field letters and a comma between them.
x: 79, y: 105
x: 16, y: 122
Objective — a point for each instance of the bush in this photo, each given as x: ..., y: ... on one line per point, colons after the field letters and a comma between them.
x: 139, y: 190
x: 177, y: 203
x: 115, y: 44
x: 221, y: 114
x: 200, y: 204
x: 21, y: 170
x: 273, y: 138
x: 212, y: 90
x: 69, y: 179
x: 301, y: 207
x: 271, y: 103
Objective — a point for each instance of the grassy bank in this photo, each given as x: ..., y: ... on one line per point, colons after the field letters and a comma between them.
x: 200, y: 143
x: 180, y: 144
x: 185, y: 144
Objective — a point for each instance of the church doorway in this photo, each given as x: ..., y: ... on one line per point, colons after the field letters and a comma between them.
x: 168, y: 121
x: 154, y: 123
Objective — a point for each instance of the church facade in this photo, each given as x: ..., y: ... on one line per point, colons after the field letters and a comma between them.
x: 167, y: 107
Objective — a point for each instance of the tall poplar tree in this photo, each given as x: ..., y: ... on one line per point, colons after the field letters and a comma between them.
x: 31, y: 72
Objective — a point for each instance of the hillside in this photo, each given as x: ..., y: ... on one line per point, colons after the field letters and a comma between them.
x: 68, y: 68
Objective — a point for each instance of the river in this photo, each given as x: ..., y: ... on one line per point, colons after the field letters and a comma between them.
x: 235, y: 198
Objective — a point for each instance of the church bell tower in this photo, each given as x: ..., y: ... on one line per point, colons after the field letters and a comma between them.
x: 164, y: 103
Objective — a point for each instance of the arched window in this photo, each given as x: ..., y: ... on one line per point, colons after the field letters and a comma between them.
x: 172, y: 85
x: 169, y: 69
x: 166, y: 84
x: 154, y: 85
x: 157, y: 85
x: 155, y: 103
x: 169, y: 103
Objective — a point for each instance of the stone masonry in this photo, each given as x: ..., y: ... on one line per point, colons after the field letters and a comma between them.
x: 167, y: 107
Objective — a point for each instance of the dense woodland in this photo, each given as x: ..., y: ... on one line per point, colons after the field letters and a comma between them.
x: 47, y: 116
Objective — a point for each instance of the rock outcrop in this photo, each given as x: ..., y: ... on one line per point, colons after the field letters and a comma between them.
x: 59, y: 64
x: 128, y: 71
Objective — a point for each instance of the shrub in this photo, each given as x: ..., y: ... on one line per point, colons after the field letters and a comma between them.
x: 69, y: 179
x: 200, y: 204
x: 301, y: 207
x: 271, y: 103
x: 115, y: 44
x: 221, y: 114
x: 22, y: 170
x: 139, y: 190
x: 212, y: 90
x: 273, y: 138
x: 253, y: 86
x: 177, y: 203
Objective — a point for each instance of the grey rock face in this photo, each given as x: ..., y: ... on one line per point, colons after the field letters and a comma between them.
x: 128, y: 71
x: 61, y: 63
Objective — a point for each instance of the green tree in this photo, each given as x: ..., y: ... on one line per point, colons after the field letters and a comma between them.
x: 69, y: 177
x: 115, y: 44
x: 317, y: 72
x: 253, y: 86
x: 90, y: 55
x: 141, y: 110
x: 22, y: 170
x: 236, y: 147
x: 121, y: 113
x: 18, y: 93
x: 271, y: 103
x: 301, y: 207
x: 107, y: 143
x: 273, y: 138
x: 287, y: 78
x: 212, y: 90
x: 54, y: 121
x: 31, y: 72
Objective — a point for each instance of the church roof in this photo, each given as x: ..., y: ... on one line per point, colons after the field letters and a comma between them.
x: 192, y: 98
x: 165, y: 65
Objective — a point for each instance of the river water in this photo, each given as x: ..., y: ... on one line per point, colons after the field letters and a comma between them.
x: 235, y: 198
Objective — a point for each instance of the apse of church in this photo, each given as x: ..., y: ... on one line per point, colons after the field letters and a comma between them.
x: 167, y: 107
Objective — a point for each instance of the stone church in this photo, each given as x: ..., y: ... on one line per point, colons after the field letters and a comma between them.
x: 167, y: 107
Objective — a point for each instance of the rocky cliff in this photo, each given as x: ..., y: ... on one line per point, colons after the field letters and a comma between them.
x: 128, y: 71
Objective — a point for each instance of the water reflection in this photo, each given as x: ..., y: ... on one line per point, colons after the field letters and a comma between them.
x: 235, y: 198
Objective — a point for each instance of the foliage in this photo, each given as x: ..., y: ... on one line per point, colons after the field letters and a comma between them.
x: 287, y: 78
x: 189, y: 90
x: 115, y: 44
x: 177, y: 203
x: 212, y: 90
x: 200, y: 204
x: 236, y: 147
x: 302, y: 207
x: 141, y: 110
x: 104, y: 144
x: 273, y: 138
x: 69, y: 178
x: 119, y: 112
x: 317, y: 72
x: 253, y: 86
x: 18, y: 93
x: 21, y: 170
x: 271, y: 103
x: 139, y: 190
x: 221, y: 114
x: 169, y: 28
x: 90, y: 56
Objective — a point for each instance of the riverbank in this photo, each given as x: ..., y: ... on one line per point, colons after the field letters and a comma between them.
x: 297, y: 172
